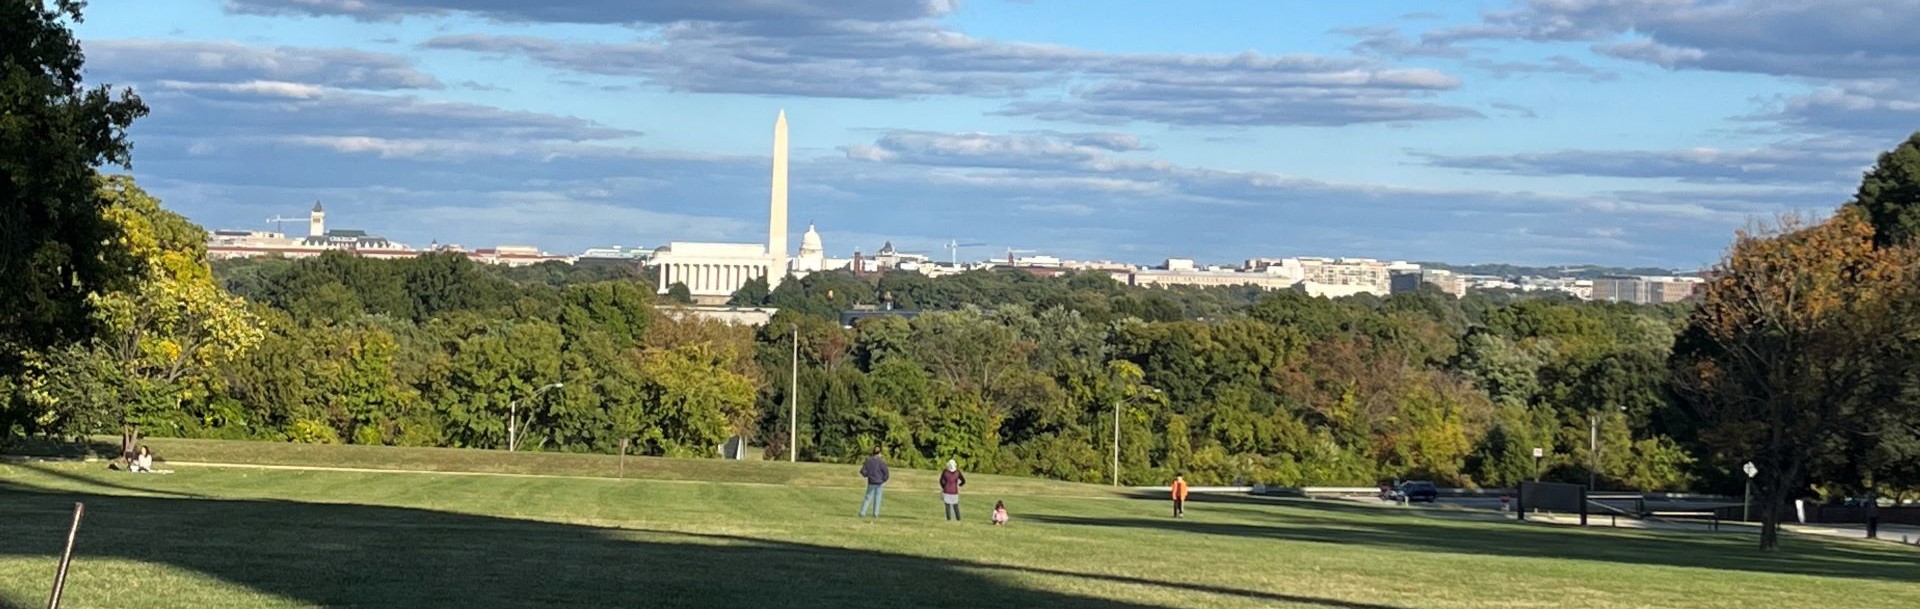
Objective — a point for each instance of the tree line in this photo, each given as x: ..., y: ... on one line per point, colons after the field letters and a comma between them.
x: 1802, y: 356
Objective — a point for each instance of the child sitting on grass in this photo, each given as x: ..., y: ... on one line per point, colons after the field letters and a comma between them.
x: 999, y: 512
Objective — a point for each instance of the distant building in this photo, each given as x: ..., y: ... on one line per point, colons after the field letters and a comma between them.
x: 1582, y: 289
x: 943, y: 270
x: 737, y: 316
x: 614, y: 256
x: 514, y: 255
x: 1333, y: 278
x: 1646, y: 290
x: 1256, y: 265
x: 887, y: 259
x: 1445, y: 281
x: 1041, y: 261
x: 1335, y: 290
x: 1097, y: 265
x: 813, y: 255
x: 712, y: 272
x: 319, y: 240
x: 1208, y: 278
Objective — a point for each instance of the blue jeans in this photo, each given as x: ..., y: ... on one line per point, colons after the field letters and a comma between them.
x: 873, y: 499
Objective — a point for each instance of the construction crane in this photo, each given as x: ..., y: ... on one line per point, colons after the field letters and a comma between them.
x: 280, y: 222
x: 953, y: 250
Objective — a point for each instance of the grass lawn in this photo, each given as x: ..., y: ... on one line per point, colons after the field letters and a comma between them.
x: 721, y: 534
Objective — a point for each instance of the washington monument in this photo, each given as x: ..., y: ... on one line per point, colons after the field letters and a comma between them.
x: 712, y: 272
x: 777, y: 223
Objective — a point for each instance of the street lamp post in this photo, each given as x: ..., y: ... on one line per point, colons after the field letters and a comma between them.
x: 1593, y: 447
x: 1116, y: 442
x: 793, y: 401
x: 513, y: 416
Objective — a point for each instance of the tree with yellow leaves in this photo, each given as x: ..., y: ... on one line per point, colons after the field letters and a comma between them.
x: 158, y: 337
x: 1785, y: 353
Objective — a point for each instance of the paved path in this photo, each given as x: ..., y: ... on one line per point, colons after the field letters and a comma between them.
x: 1459, y: 507
x: 1888, y: 532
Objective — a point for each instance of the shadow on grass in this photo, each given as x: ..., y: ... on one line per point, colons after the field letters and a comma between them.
x: 1357, y: 525
x: 362, y: 556
x: 68, y: 475
x: 61, y: 448
x: 1121, y: 579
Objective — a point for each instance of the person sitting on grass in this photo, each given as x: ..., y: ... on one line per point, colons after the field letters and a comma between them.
x: 999, y: 513
x: 142, y: 462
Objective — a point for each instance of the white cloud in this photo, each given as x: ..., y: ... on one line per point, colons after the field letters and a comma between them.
x: 872, y: 60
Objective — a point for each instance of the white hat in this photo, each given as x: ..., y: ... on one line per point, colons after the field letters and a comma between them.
x: 952, y: 466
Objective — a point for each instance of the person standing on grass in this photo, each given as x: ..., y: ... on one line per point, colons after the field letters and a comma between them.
x: 950, y: 482
x: 1179, y: 495
x: 875, y: 471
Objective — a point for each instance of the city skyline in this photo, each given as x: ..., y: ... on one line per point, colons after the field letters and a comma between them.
x: 1536, y: 133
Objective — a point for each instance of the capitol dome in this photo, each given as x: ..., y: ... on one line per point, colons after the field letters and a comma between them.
x: 810, y: 242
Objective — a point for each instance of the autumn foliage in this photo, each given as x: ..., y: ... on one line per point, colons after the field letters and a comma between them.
x: 1788, y: 352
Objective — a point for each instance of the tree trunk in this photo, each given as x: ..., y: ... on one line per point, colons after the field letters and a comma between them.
x: 1769, y: 523
x: 129, y: 438
x: 1773, y: 501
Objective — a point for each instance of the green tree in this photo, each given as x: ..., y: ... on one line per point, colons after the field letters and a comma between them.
x: 621, y: 309
x: 694, y: 401
x: 495, y: 364
x: 57, y: 246
x: 1509, y: 374
x: 753, y: 293
x: 1890, y: 193
x: 679, y: 294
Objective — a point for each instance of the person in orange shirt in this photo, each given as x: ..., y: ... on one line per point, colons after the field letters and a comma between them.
x: 1179, y: 495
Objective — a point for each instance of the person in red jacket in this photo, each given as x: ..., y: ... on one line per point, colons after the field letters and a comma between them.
x: 950, y: 482
x: 1179, y: 495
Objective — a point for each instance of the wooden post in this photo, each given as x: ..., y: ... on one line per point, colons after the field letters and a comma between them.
x: 623, y: 458
x: 66, y: 557
x: 1583, y: 507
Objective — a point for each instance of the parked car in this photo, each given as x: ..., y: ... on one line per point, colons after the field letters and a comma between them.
x: 1419, y: 491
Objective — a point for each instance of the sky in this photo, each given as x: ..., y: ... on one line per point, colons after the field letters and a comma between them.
x: 1617, y: 132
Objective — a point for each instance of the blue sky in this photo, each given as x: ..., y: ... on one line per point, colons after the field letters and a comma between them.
x: 1628, y: 132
